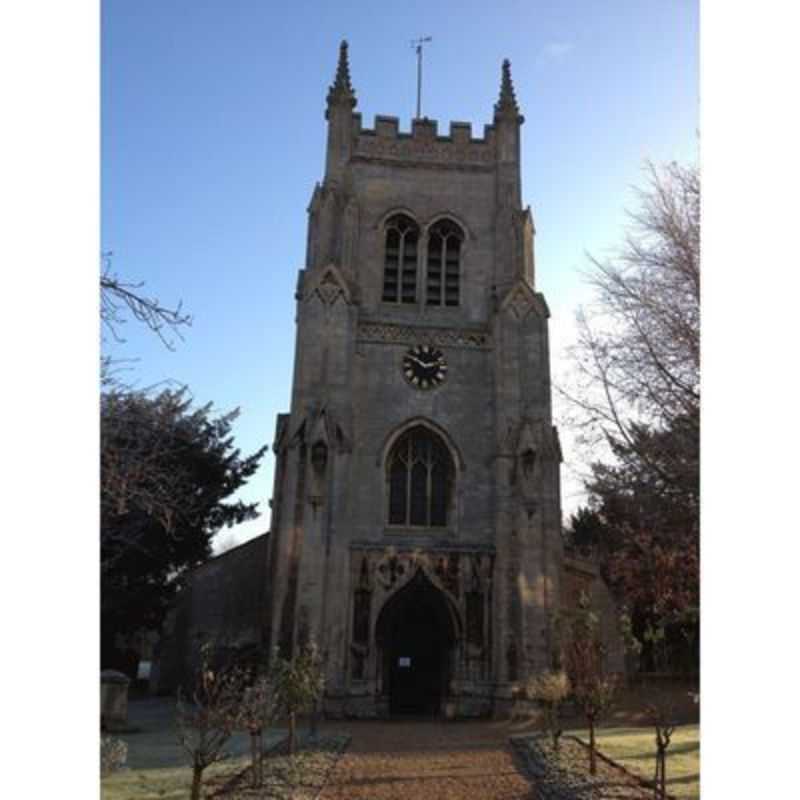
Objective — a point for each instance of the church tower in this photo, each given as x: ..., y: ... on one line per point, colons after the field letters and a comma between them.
x: 416, y: 509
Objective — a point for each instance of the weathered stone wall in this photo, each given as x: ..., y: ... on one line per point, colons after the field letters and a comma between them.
x: 582, y: 575
x: 223, y: 603
x: 350, y: 400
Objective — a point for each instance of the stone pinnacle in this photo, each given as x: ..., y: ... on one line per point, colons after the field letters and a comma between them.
x: 507, y: 104
x: 341, y: 91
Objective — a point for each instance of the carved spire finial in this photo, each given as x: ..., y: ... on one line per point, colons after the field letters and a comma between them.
x: 507, y: 104
x: 341, y: 90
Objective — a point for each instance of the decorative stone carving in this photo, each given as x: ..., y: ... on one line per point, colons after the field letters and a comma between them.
x: 519, y: 304
x: 417, y: 149
x: 350, y: 237
x: 319, y: 463
x: 406, y: 334
x: 474, y: 609
x: 480, y: 570
x: 361, y: 616
x: 447, y: 571
x: 390, y: 570
x: 529, y: 453
x: 530, y: 442
x: 520, y: 300
x: 329, y: 288
x: 364, y: 577
x: 322, y: 425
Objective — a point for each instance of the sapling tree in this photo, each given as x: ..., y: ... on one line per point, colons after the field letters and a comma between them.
x: 207, y: 719
x: 256, y: 711
x: 661, y: 710
x: 592, y: 687
x: 662, y: 713
x: 298, y: 683
x: 551, y: 688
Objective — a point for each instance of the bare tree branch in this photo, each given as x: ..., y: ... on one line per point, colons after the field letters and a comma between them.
x: 118, y: 298
x: 637, y: 356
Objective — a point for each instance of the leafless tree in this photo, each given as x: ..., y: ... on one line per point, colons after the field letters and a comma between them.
x: 660, y: 710
x: 662, y: 713
x: 256, y: 711
x: 593, y: 689
x: 637, y: 356
x: 209, y: 717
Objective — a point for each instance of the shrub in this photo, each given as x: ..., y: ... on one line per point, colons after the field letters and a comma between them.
x: 257, y: 709
x: 550, y: 689
x: 299, y: 683
x: 113, y: 755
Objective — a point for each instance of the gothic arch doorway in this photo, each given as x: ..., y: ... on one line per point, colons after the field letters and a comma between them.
x: 416, y: 633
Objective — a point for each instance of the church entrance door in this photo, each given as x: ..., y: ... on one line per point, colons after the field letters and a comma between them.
x: 416, y: 634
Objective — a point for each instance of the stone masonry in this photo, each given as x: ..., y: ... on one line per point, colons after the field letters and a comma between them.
x: 335, y: 564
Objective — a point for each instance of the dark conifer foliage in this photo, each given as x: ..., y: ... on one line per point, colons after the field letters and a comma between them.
x: 168, y: 473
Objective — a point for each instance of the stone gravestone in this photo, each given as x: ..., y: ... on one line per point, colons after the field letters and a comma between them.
x: 113, y: 698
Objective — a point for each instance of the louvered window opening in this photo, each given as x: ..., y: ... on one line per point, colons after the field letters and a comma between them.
x: 420, y: 472
x: 444, y: 254
x: 400, y: 264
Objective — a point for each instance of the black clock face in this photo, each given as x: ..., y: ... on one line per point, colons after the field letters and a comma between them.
x: 424, y: 366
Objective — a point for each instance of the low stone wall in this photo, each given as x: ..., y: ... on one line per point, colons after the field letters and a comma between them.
x: 582, y: 575
x: 223, y: 604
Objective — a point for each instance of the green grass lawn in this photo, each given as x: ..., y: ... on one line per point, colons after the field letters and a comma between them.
x: 635, y: 749
x: 157, y: 766
x: 162, y: 783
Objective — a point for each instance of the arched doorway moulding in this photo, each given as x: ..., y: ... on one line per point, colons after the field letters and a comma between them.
x: 395, y: 571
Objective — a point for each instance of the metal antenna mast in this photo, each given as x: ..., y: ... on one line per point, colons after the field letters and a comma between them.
x: 417, y: 43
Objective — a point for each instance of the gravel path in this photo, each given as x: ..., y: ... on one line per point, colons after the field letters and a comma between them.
x: 423, y: 760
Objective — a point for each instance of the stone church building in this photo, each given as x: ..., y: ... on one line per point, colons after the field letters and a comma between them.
x: 416, y: 514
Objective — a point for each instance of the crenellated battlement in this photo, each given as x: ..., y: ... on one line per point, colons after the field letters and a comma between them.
x: 423, y: 143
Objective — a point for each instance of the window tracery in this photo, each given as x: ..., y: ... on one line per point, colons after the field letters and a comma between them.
x: 420, y: 474
x: 400, y: 260
x: 443, y: 264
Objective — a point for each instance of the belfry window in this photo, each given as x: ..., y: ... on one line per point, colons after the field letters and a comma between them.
x: 420, y: 476
x: 444, y: 255
x: 400, y: 261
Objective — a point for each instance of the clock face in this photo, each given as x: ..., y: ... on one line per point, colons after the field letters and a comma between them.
x: 424, y: 366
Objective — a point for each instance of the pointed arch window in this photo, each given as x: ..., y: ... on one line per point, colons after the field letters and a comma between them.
x: 400, y: 260
x: 420, y: 475
x: 444, y: 264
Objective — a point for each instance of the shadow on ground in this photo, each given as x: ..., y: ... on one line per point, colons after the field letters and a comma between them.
x: 154, y: 744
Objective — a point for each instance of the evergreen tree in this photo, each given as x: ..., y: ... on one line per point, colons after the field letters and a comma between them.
x: 167, y: 475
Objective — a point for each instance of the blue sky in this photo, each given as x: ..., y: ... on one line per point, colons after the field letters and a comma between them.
x: 213, y: 136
